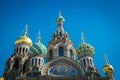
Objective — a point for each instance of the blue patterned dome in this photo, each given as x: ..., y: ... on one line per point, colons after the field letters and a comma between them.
x: 84, y: 49
x: 38, y: 48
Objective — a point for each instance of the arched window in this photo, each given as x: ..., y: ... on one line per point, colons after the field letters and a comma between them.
x: 60, y: 34
x: 32, y: 62
x: 17, y: 49
x: 61, y: 51
x: 23, y: 49
x: 71, y: 54
x: 35, y: 61
x: 84, y: 62
x: 39, y: 61
x: 20, y: 49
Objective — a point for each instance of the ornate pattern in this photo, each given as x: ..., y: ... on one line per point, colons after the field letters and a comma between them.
x: 85, y: 48
x: 27, y: 62
x: 62, y: 61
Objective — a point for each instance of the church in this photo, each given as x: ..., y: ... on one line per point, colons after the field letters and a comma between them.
x: 59, y: 61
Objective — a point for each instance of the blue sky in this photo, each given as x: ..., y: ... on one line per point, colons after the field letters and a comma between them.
x: 98, y: 19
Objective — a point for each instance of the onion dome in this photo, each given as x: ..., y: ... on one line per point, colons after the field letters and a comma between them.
x: 38, y: 47
x: 1, y: 78
x: 84, y: 49
x: 107, y: 67
x: 24, y: 39
x: 60, y: 18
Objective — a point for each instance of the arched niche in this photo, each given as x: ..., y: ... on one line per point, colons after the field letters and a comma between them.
x: 62, y: 61
x: 61, y: 51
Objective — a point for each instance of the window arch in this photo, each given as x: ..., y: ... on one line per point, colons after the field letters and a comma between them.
x: 20, y: 49
x: 32, y: 62
x: 23, y: 49
x: 61, y: 51
x: 39, y: 61
x: 17, y: 49
x: 84, y: 62
x: 60, y: 34
x: 35, y: 61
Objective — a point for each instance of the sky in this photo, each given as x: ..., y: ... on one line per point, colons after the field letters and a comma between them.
x: 98, y: 19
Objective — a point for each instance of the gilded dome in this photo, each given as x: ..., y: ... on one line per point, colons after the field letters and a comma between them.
x: 24, y: 39
x: 38, y: 47
x: 84, y: 49
x: 108, y: 68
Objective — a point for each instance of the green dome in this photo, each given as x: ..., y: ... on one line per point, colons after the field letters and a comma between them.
x: 84, y: 49
x: 60, y: 18
x: 38, y: 48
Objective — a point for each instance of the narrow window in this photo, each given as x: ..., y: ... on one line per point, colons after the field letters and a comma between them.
x: 17, y: 49
x: 39, y: 61
x: 61, y: 51
x: 60, y: 34
x: 20, y: 49
x: 35, y: 61
x: 84, y: 62
x: 23, y: 49
x: 32, y: 62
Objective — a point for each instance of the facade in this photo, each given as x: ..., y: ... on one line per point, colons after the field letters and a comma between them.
x: 60, y: 61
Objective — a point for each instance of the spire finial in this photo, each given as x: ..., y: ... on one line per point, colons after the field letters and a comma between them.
x: 82, y: 38
x: 105, y: 57
x: 59, y: 14
x: 26, y: 30
x: 39, y: 39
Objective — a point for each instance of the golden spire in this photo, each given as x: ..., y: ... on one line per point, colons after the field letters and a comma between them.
x: 82, y: 38
x: 106, y: 60
x: 39, y: 39
x: 26, y: 30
